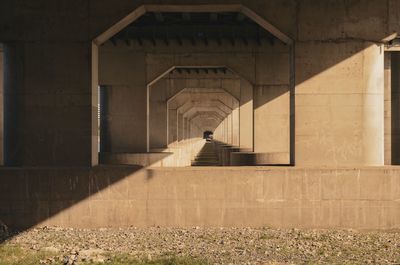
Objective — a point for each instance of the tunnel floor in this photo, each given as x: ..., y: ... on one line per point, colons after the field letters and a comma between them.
x: 207, y: 156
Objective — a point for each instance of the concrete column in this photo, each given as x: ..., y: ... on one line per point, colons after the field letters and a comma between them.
x: 48, y: 104
x: 388, y: 109
x: 105, y: 141
x: 1, y: 106
x: 172, y: 127
x: 229, y: 128
x: 235, y: 122
x: 246, y: 115
x: 180, y: 127
x: 186, y: 128
x: 226, y: 130
x: 395, y: 109
x: 125, y: 74
x: 158, y: 116
x: 373, y: 116
x: 272, y: 119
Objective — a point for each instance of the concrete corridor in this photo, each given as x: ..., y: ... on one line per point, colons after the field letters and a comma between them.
x: 207, y: 156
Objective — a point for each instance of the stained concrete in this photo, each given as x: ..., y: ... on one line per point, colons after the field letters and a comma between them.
x: 364, y: 198
x: 1, y: 104
x: 126, y: 100
x: 395, y: 108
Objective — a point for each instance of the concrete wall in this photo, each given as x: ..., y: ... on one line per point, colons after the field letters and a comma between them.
x: 272, y: 102
x: 48, y: 109
x: 366, y: 198
x: 125, y: 77
x: 344, y: 70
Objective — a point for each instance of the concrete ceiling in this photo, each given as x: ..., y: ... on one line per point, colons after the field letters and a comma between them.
x: 197, y: 28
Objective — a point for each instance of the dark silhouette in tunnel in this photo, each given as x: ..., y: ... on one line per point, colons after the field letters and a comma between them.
x: 208, y: 135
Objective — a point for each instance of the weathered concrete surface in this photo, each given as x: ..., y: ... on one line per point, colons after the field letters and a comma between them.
x: 125, y: 79
x: 395, y: 109
x: 1, y: 104
x: 361, y: 198
x: 48, y: 109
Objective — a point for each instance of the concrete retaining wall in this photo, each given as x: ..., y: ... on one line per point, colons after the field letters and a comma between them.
x: 363, y: 198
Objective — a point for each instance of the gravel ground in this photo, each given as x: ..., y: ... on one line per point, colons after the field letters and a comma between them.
x: 215, y: 245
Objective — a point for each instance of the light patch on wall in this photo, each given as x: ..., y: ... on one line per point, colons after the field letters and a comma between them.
x: 347, y: 119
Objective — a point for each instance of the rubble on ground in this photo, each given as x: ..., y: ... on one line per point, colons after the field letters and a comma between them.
x: 216, y: 245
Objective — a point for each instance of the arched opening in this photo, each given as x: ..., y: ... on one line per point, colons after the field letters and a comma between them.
x: 198, y: 40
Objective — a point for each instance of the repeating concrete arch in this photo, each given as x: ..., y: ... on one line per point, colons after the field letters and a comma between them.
x: 186, y: 94
x: 206, y: 104
x: 193, y: 110
x: 155, y: 72
x: 216, y: 8
x: 189, y: 105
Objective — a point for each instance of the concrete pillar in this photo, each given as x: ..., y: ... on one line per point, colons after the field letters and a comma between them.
x: 246, y: 115
x: 229, y: 128
x: 48, y: 104
x: 180, y: 127
x: 158, y: 116
x: 172, y: 126
x: 1, y: 106
x: 373, y: 110
x: 125, y: 75
x: 388, y: 109
x: 105, y: 141
x: 186, y: 123
x: 272, y: 103
x: 236, y: 125
x: 395, y: 108
x: 272, y: 119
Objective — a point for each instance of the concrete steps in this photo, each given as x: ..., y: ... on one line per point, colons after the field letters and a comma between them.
x: 207, y: 156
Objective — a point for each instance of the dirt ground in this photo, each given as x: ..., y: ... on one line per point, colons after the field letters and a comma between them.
x: 53, y: 245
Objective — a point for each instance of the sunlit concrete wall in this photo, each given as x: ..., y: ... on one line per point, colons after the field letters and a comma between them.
x: 362, y: 198
x: 340, y: 82
x: 272, y: 102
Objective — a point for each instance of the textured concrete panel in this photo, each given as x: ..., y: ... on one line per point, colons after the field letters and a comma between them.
x: 271, y: 119
x: 340, y: 20
x: 1, y: 104
x: 339, y: 111
x: 360, y: 198
x: 395, y: 109
x: 48, y: 104
x: 124, y: 76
